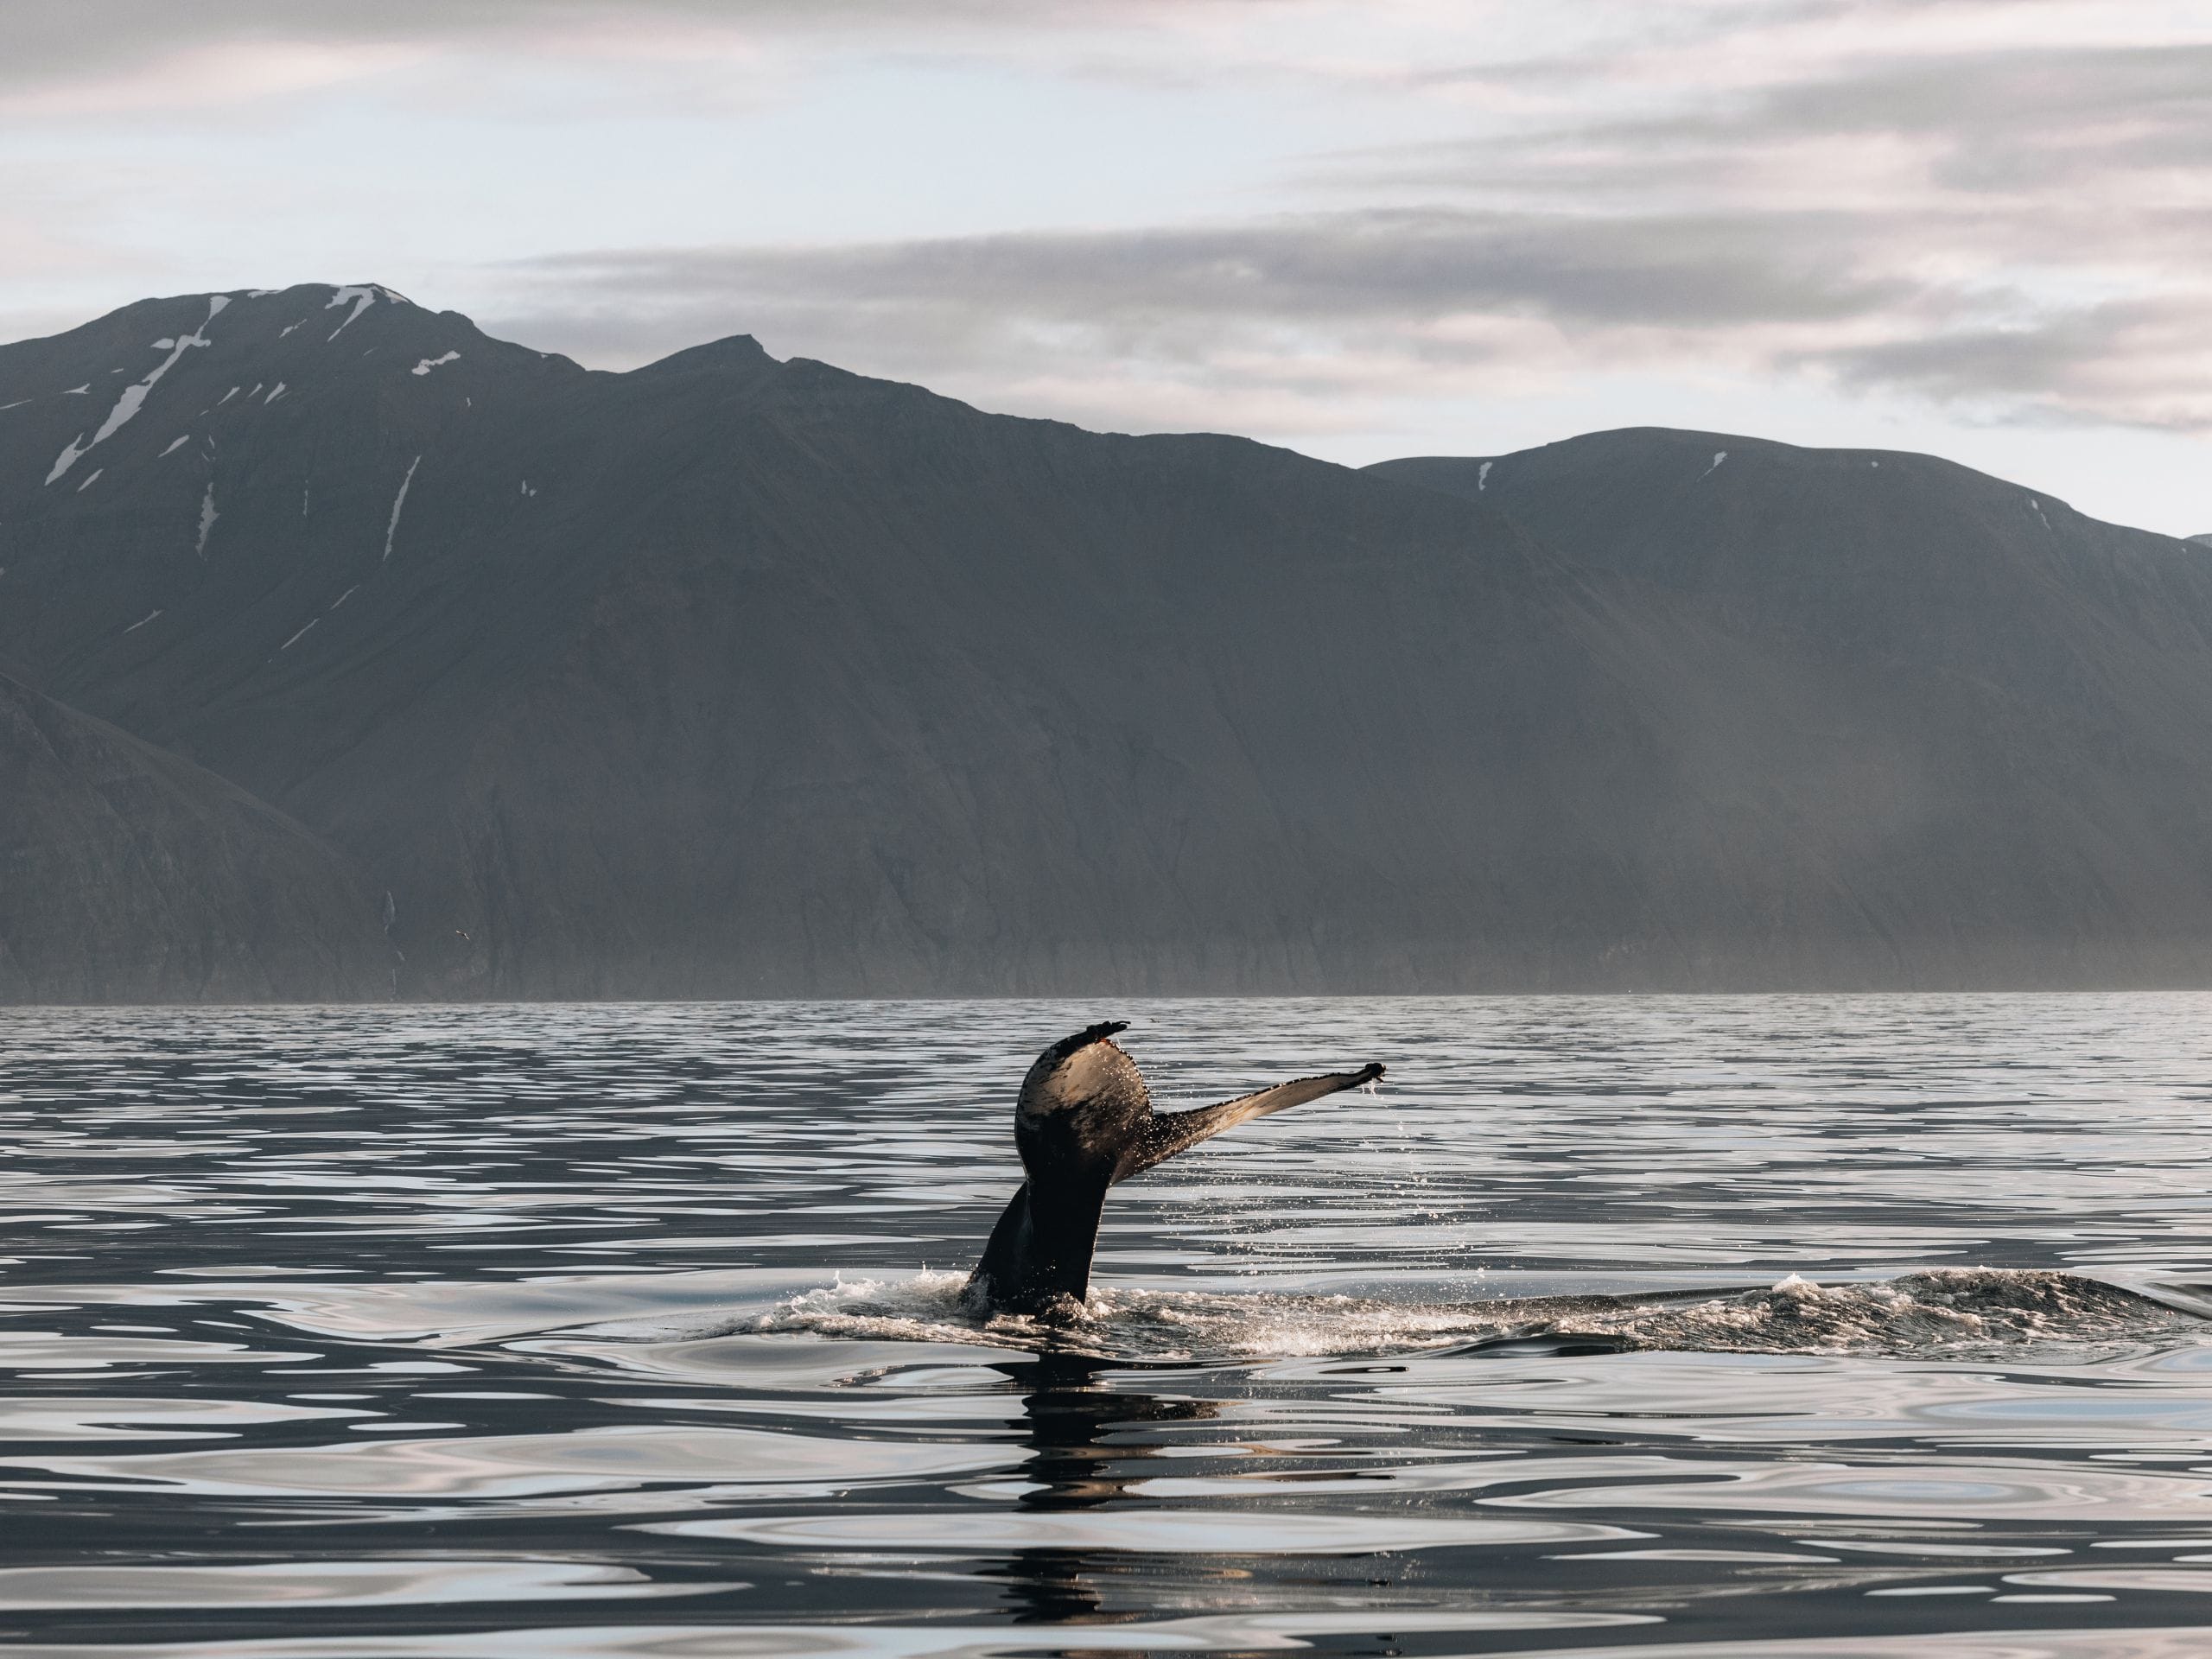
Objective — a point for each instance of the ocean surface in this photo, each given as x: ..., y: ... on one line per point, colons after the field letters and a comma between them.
x: 1773, y: 1326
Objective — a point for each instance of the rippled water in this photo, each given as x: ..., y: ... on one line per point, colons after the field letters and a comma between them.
x: 1835, y: 1327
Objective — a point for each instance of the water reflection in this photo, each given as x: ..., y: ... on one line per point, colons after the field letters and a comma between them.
x: 1087, y: 1444
x: 1645, y: 1326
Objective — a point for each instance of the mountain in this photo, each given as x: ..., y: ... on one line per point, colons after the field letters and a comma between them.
x: 135, y: 876
x: 731, y: 676
x: 1940, y: 728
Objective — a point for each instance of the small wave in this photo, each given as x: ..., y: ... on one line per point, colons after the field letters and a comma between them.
x: 1954, y: 1312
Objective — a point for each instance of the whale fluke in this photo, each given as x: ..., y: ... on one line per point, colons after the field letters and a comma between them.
x: 1084, y: 1121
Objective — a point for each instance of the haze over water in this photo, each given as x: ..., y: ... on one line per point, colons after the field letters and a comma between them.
x: 1839, y: 1326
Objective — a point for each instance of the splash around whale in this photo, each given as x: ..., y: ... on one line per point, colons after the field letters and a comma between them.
x: 1083, y: 1123
x: 1948, y: 1314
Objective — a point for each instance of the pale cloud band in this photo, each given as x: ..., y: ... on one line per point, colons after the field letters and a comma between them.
x: 1995, y: 209
x: 2020, y: 231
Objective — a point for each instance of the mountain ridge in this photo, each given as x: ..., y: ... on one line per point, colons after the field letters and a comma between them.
x: 730, y: 674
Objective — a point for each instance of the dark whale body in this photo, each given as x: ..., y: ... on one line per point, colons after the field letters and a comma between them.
x: 1084, y: 1121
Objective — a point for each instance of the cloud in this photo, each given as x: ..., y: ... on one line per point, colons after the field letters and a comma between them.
x: 1317, y: 319
x: 2143, y: 362
x: 2029, y: 222
x: 129, y: 41
x: 1997, y: 205
x: 1326, y: 317
x: 1406, y: 264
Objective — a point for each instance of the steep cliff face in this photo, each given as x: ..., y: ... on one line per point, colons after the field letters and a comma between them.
x: 129, y: 875
x: 731, y: 676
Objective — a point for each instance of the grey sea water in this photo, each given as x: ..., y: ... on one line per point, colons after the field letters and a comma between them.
x: 1765, y: 1325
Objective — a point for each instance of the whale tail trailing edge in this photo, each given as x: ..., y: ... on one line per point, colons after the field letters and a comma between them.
x: 1166, y: 1135
x: 1084, y: 1121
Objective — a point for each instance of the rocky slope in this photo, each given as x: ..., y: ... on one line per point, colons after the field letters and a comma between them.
x: 731, y: 676
x: 1925, y: 727
x: 131, y: 875
x: 734, y: 676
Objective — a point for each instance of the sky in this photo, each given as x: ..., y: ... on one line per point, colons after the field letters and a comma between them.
x: 1391, y: 227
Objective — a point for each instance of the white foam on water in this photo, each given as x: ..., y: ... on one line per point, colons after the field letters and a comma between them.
x: 1949, y: 1312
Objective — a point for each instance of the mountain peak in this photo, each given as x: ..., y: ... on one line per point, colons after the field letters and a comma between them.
x: 732, y: 351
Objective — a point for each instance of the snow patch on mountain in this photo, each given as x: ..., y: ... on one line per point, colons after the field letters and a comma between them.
x: 134, y: 395
x: 207, y: 517
x: 363, y: 298
x: 398, y: 502
x: 76, y: 447
x: 429, y: 363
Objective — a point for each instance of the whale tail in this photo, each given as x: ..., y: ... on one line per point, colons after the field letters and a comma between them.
x: 1084, y: 1121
